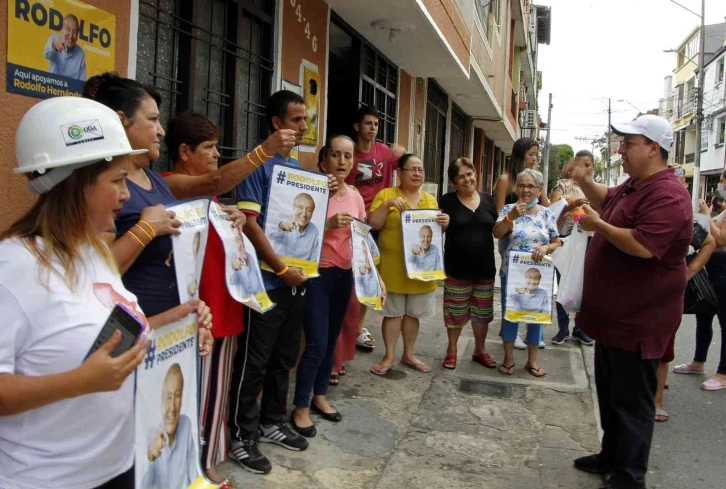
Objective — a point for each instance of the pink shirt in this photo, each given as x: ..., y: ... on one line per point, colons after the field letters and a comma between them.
x: 337, y: 251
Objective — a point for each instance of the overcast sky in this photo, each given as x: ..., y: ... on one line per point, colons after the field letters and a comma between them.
x: 610, y: 48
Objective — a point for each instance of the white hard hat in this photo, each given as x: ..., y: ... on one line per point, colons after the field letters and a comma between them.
x: 65, y: 133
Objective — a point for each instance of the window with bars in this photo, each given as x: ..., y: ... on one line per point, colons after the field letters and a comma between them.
x: 379, y: 83
x: 437, y: 107
x: 213, y: 57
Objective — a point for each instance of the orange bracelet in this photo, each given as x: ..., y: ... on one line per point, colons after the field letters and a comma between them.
x: 137, y: 239
x: 252, y: 162
x: 283, y: 271
x: 506, y: 216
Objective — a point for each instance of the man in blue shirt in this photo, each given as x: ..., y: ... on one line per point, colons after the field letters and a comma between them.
x: 65, y: 56
x: 270, y: 343
x: 530, y: 298
x: 298, y: 237
x: 425, y: 257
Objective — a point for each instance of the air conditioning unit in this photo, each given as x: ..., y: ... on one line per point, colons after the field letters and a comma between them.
x: 530, y: 119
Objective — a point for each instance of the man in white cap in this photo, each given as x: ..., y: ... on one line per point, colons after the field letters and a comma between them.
x: 632, y: 298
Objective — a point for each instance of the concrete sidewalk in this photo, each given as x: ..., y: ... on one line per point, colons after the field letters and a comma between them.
x: 466, y: 428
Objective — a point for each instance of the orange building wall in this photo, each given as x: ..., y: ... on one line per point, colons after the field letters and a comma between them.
x: 403, y: 120
x: 296, y: 46
x: 16, y: 199
x: 448, y: 18
x: 419, y: 110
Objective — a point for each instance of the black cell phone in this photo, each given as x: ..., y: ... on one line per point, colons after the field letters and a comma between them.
x: 123, y: 320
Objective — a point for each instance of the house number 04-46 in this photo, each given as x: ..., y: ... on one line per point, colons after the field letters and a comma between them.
x: 301, y: 19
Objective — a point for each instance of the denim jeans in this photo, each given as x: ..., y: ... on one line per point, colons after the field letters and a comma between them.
x: 326, y: 301
x: 509, y: 329
x: 716, y: 268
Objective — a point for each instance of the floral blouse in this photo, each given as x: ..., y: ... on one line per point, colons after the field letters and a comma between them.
x: 529, y: 232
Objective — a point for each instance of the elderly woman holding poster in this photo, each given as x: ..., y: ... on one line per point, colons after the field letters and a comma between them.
x: 408, y: 300
x: 327, y: 295
x: 525, y: 226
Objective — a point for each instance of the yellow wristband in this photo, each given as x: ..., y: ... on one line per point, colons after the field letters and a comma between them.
x: 506, y: 216
x: 143, y: 231
x: 252, y: 162
x: 283, y: 271
x: 267, y: 157
x: 151, y: 228
x: 137, y: 239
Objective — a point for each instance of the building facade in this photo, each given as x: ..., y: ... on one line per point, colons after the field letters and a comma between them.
x: 450, y: 77
x: 713, y: 128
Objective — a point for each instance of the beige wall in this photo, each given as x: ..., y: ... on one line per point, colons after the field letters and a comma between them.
x: 16, y: 199
x: 448, y: 18
x: 403, y: 120
x: 296, y: 47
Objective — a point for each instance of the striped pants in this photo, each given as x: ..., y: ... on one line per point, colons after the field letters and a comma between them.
x: 215, y: 379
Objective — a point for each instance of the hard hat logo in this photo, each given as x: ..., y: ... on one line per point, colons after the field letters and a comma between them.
x: 82, y: 132
x: 75, y: 132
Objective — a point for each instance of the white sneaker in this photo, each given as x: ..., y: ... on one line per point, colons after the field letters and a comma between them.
x: 519, y: 344
x: 541, y: 345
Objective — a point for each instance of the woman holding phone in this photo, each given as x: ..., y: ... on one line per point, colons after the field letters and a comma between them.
x: 58, y: 284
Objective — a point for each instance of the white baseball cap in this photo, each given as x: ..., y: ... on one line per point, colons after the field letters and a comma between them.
x: 651, y: 126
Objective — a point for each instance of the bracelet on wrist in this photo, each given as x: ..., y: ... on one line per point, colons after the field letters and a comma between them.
x: 508, y: 218
x: 143, y: 245
x: 151, y: 228
x: 283, y: 271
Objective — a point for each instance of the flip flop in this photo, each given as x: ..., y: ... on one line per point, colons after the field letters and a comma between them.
x: 661, y: 416
x: 687, y: 369
x: 365, y: 341
x: 419, y: 366
x: 508, y: 369
x: 450, y: 361
x: 535, y: 372
x: 379, y: 370
x: 713, y: 385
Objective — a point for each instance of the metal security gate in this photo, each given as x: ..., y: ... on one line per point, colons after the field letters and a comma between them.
x: 379, y: 83
x: 435, y: 140
x: 213, y: 57
x: 457, y: 143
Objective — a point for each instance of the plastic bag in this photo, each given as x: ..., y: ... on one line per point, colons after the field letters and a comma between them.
x: 570, y: 262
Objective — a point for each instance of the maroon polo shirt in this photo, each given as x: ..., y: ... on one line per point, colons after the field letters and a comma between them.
x: 629, y: 301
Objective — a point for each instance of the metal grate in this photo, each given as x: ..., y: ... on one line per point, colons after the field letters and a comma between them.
x: 379, y: 82
x: 435, y: 139
x: 457, y: 144
x: 213, y: 57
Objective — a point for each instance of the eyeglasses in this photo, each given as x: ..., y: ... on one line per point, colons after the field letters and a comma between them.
x: 526, y: 187
x: 413, y: 170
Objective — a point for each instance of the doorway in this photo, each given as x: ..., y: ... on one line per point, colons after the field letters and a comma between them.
x: 343, y: 81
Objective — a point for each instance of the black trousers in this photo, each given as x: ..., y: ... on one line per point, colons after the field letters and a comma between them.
x: 626, y: 387
x: 266, y: 352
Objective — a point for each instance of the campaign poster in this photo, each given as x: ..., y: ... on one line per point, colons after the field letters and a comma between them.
x: 530, y: 285
x: 311, y: 94
x: 423, y: 242
x: 54, y: 46
x: 295, y: 216
x: 189, y: 246
x: 242, y: 269
x: 365, y: 275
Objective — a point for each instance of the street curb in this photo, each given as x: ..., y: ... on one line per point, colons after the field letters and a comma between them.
x: 589, y: 361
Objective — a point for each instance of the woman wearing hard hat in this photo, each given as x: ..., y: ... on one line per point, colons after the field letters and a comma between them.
x: 66, y: 420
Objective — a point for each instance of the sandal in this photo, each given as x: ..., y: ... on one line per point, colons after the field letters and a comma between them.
x: 379, y: 369
x: 686, y: 368
x: 506, y: 369
x: 365, y: 341
x: 661, y: 416
x: 343, y: 370
x: 450, y: 361
x: 334, y: 379
x: 484, y: 358
x: 535, y: 372
x: 418, y: 365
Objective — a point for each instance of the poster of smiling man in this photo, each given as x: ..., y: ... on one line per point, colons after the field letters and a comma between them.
x: 530, y: 285
x: 242, y: 269
x: 295, y: 219
x: 55, y: 46
x: 423, y: 243
x: 167, y: 411
x: 366, y: 279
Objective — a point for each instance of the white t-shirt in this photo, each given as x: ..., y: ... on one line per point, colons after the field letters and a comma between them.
x: 77, y: 443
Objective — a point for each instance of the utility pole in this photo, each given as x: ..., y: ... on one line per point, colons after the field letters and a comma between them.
x: 696, y: 192
x: 610, y: 181
x: 546, y: 156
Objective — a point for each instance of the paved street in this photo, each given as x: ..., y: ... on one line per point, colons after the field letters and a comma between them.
x: 688, y: 450
x: 465, y: 428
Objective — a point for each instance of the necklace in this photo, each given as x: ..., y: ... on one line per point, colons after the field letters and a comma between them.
x: 342, y: 197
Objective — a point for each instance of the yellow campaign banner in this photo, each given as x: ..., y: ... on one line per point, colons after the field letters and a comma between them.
x: 54, y: 46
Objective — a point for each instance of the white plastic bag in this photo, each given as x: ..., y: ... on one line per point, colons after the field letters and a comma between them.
x: 570, y: 262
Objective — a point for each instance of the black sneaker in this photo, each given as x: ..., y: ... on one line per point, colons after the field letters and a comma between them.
x: 281, y: 434
x: 592, y: 464
x: 579, y: 335
x: 560, y: 338
x: 247, y: 453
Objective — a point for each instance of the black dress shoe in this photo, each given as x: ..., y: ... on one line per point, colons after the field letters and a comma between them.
x: 593, y: 464
x: 307, y: 432
x: 335, y: 417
